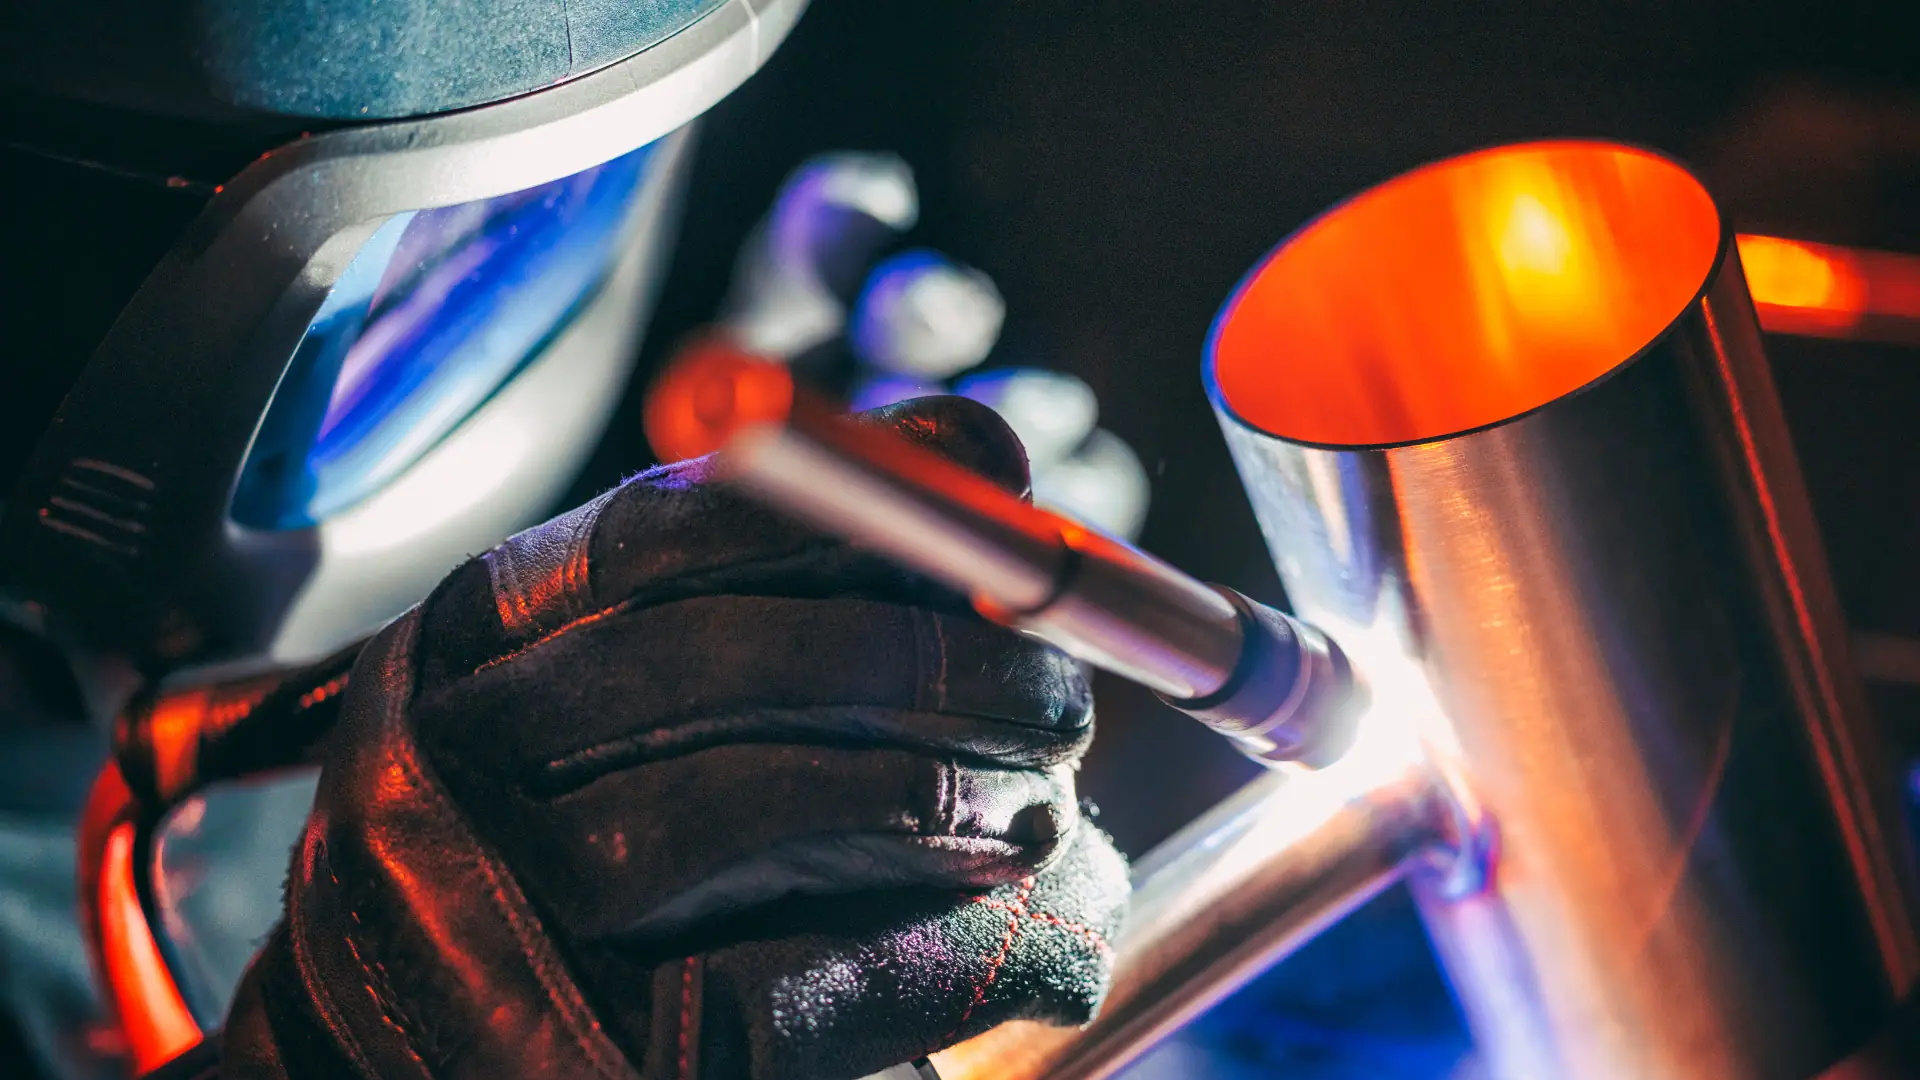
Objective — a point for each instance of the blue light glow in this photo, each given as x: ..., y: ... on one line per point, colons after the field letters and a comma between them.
x: 438, y: 309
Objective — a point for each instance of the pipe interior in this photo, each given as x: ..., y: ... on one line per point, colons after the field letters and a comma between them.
x: 1463, y: 294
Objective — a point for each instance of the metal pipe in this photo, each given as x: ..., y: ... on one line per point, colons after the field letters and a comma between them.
x: 1507, y: 418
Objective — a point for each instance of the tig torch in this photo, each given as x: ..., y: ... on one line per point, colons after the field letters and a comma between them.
x: 1280, y: 689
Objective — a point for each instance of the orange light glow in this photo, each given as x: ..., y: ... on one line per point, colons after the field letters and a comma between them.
x: 144, y: 999
x: 1465, y: 293
x: 1787, y: 273
x: 1820, y: 290
x: 711, y: 390
x: 152, y: 1014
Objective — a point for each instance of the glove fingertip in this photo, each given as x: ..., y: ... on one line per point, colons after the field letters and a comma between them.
x: 964, y: 431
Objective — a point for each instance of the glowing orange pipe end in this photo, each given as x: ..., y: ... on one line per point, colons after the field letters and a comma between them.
x: 711, y: 391
x: 140, y: 991
x: 1820, y: 290
x: 1464, y: 294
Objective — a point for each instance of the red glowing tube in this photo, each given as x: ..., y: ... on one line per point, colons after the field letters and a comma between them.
x: 712, y: 390
x: 1821, y: 290
x: 140, y: 991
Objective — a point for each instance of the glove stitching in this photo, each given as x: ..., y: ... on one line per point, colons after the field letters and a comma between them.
x: 575, y: 572
x: 398, y: 641
x: 403, y: 755
x: 512, y: 596
x: 687, y: 736
x: 686, y: 1017
x: 752, y: 577
x: 398, y: 665
x: 569, y: 1010
x: 995, y: 963
x: 1093, y: 937
x: 331, y: 688
x: 564, y: 628
x: 384, y: 999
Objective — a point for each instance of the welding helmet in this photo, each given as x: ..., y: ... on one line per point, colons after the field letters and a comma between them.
x: 313, y: 298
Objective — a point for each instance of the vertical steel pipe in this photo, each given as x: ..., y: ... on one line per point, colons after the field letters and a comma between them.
x: 1507, y: 427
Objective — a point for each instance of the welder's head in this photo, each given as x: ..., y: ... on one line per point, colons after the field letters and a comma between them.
x: 305, y: 300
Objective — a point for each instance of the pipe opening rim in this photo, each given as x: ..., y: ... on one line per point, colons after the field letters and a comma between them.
x: 1465, y: 294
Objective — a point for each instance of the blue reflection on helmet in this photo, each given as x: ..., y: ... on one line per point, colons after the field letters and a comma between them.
x: 437, y: 310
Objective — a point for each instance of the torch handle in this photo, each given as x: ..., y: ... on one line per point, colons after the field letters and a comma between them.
x: 1279, y: 688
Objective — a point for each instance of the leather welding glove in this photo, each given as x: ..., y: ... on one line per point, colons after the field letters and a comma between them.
x: 672, y: 788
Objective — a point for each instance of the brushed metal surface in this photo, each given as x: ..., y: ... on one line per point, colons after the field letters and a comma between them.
x: 1621, y: 603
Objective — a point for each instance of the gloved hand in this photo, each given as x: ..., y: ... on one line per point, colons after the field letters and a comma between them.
x: 671, y: 788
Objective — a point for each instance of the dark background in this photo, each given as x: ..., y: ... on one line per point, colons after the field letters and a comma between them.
x: 1117, y: 167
